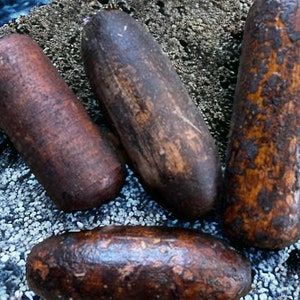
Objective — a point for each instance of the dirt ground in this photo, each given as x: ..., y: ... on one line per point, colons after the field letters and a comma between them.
x: 202, y: 38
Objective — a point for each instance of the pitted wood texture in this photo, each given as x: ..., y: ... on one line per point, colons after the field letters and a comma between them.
x: 137, y: 263
x: 262, y: 205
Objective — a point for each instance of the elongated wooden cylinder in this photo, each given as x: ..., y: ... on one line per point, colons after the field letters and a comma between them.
x: 137, y: 263
x: 262, y: 180
x: 51, y: 129
x: 164, y: 135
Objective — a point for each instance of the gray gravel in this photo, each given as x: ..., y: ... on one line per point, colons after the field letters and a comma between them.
x: 202, y: 38
x: 29, y: 217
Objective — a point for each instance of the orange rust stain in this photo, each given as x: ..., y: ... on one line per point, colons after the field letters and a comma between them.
x: 266, y: 174
x: 41, y: 268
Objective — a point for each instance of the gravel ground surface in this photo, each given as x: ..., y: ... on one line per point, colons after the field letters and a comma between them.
x: 202, y: 38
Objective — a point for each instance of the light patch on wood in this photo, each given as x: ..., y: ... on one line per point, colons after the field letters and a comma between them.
x: 186, y: 120
x: 177, y: 270
x: 126, y: 271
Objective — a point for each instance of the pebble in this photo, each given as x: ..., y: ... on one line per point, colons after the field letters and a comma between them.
x: 4, y: 258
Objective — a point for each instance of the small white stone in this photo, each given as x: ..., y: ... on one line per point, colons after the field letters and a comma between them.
x: 263, y: 297
x: 79, y: 224
x: 4, y: 258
